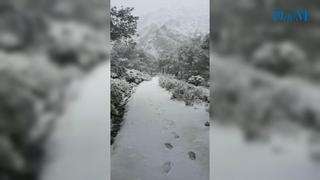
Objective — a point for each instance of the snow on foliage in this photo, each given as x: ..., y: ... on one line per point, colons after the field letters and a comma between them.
x: 76, y: 43
x: 122, y: 87
x: 184, y: 91
x: 196, y: 80
x: 256, y: 99
x: 136, y: 76
x: 279, y: 58
x: 121, y: 90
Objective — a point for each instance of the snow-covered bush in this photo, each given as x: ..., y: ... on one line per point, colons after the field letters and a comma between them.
x: 196, y: 80
x: 19, y: 29
x: 31, y: 91
x: 135, y: 76
x: 168, y: 83
x: 184, y: 91
x: 279, y: 58
x: 120, y: 91
x: 123, y: 82
x: 114, y: 75
x: 256, y: 100
x: 77, y: 44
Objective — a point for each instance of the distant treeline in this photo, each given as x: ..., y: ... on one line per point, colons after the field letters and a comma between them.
x: 184, y: 61
x: 189, y: 60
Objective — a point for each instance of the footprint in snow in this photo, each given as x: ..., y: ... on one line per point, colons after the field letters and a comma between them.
x: 192, y: 155
x: 166, y: 167
x: 175, y: 135
x: 168, y: 145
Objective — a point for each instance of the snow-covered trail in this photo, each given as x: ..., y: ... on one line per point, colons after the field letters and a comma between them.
x: 78, y: 147
x: 161, y: 139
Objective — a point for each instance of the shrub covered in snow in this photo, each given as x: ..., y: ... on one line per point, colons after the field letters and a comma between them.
x: 31, y: 92
x: 121, y: 90
x: 135, y: 76
x: 256, y: 100
x: 279, y: 58
x: 123, y: 82
x: 20, y: 29
x: 196, y: 80
x: 76, y: 44
x: 184, y: 91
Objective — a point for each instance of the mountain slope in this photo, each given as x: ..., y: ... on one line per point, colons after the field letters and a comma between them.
x: 166, y: 30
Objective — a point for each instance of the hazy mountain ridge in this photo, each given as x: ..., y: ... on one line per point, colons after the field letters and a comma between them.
x: 160, y: 39
x: 166, y: 30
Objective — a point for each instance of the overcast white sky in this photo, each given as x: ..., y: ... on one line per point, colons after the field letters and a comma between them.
x: 143, y: 7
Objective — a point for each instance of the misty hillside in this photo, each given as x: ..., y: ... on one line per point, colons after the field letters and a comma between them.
x: 186, y: 21
x: 166, y: 30
x: 161, y: 39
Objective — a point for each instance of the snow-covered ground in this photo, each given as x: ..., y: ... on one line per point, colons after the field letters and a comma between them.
x: 78, y: 147
x: 284, y: 157
x: 161, y: 139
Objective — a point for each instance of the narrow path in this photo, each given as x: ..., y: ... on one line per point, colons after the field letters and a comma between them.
x: 161, y: 139
x: 78, y: 148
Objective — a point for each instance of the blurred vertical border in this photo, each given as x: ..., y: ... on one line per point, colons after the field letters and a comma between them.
x: 46, y: 46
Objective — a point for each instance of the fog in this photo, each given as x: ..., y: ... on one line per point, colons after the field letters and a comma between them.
x: 143, y: 7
